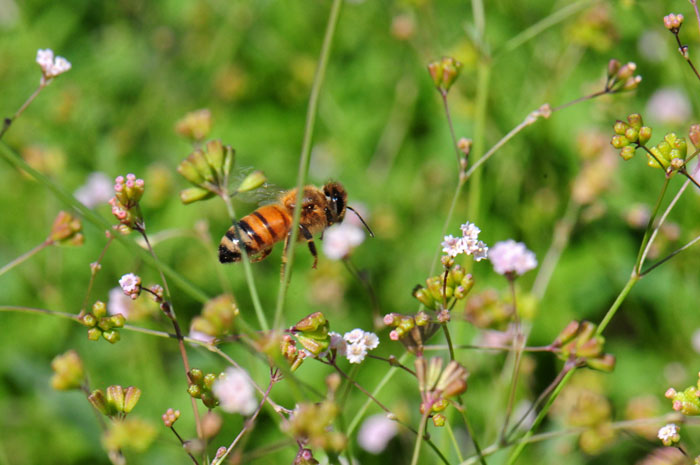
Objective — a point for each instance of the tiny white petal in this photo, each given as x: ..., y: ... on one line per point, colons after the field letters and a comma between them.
x: 370, y: 340
x: 354, y: 336
x: 356, y: 352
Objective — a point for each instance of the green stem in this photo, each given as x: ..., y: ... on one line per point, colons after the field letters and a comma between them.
x: 101, y: 223
x: 516, y: 362
x: 455, y: 445
x: 471, y: 433
x: 419, y: 437
x: 540, y: 417
x: 247, y: 269
x: 668, y: 257
x: 647, y: 233
x: 25, y: 256
x: 618, y: 301
x: 449, y: 341
x: 7, y: 122
x: 305, y: 158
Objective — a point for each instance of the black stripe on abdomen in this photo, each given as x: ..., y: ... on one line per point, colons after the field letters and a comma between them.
x: 243, y: 224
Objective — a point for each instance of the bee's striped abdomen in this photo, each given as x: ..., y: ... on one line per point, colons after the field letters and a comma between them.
x: 259, y: 231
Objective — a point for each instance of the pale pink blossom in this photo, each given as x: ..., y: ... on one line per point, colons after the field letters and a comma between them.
x: 468, y: 244
x: 131, y: 285
x: 356, y: 352
x: 235, y: 392
x: 96, y: 190
x: 510, y: 257
x: 50, y: 66
x: 669, y: 434
x: 354, y: 336
x: 376, y: 432
x: 340, y: 239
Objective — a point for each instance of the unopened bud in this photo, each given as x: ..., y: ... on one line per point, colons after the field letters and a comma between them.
x: 252, y: 181
x: 613, y: 67
x: 131, y: 398
x: 644, y: 135
x: 694, y: 135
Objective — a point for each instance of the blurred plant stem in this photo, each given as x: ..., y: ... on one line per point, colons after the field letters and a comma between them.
x: 25, y: 256
x: 517, y: 357
x: 7, y: 122
x: 453, y: 440
x: 305, y: 157
x: 15, y: 160
x: 419, y: 436
x: 250, y: 280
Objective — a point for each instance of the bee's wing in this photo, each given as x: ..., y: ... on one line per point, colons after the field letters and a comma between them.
x: 264, y: 195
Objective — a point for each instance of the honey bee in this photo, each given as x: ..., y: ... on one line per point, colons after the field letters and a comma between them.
x: 269, y: 224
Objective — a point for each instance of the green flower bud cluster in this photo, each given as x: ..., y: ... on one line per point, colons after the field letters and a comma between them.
x: 68, y: 371
x: 670, y: 153
x: 686, y: 401
x: 444, y: 73
x: 621, y: 77
x: 288, y: 347
x: 66, y: 229
x: 195, y: 125
x: 117, y: 402
x: 578, y: 341
x: 446, y: 288
x: 208, y: 169
x: 436, y: 385
x: 200, y: 386
x: 312, y: 422
x: 312, y: 333
x: 102, y: 325
x: 125, y: 203
x: 628, y: 136
x: 218, y: 317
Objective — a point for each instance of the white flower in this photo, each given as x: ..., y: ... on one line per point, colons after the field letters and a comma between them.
x: 356, y: 335
x: 340, y: 239
x: 452, y: 246
x: 96, y: 190
x: 468, y: 244
x: 131, y: 285
x: 356, y: 352
x: 119, y: 303
x: 337, y: 342
x: 235, y: 392
x: 512, y: 257
x: 50, y: 66
x: 669, y: 434
x: 200, y: 336
x: 370, y: 340
x: 376, y: 432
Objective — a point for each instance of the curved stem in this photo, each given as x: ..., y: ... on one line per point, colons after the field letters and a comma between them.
x: 306, y: 152
x: 7, y: 122
x: 25, y: 256
x: 641, y: 255
x: 419, y: 437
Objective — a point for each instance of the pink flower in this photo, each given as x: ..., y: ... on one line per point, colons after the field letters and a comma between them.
x: 96, y: 190
x: 235, y: 392
x: 510, y: 257
x: 340, y: 239
x: 376, y: 432
x: 131, y: 285
x: 50, y: 66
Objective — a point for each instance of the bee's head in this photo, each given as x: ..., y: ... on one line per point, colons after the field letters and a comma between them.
x: 337, y: 199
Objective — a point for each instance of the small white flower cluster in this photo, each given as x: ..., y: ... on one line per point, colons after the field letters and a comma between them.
x: 235, y: 392
x: 131, y: 285
x: 50, y: 67
x: 468, y: 244
x: 354, y: 344
x: 669, y: 434
x: 340, y: 239
x: 510, y: 257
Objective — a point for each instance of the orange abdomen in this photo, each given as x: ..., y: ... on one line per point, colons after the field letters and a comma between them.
x: 264, y: 227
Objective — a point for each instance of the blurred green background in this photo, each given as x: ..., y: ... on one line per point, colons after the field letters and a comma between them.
x: 139, y: 66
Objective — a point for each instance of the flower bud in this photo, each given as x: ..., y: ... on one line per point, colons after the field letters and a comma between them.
x: 694, y: 135
x: 98, y: 400
x: 567, y: 333
x: 626, y: 71
x: 68, y: 371
x: 118, y: 320
x: 209, y: 380
x: 170, y: 417
x: 620, y: 127
x: 253, y: 181
x: 311, y: 323
x: 94, y: 334
x: 424, y: 296
x: 115, y: 397
x: 644, y: 135
x: 635, y: 120
x: 131, y: 398
x: 112, y: 336
x: 195, y: 125
x: 88, y: 320
x: 439, y: 420
x: 195, y: 391
x: 196, y: 376
x: 632, y: 83
x: 65, y: 228
x: 605, y: 363
x: 632, y: 134
x: 613, y: 67
x: 673, y: 22
x: 619, y: 142
x: 627, y: 152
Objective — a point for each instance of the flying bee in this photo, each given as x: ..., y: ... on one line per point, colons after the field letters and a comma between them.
x: 269, y: 224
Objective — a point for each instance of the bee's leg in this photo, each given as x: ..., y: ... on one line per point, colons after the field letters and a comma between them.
x: 284, y: 255
x: 261, y: 256
x: 310, y: 242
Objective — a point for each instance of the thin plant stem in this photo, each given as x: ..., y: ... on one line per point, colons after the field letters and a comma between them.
x: 453, y: 440
x: 385, y: 379
x: 101, y: 223
x: 683, y: 49
x: 647, y: 233
x: 352, y: 381
x: 305, y: 157
x: 470, y: 431
x: 179, y: 438
x: 516, y: 361
x: 449, y: 341
x: 685, y: 173
x: 419, y: 437
x: 560, y: 239
x: 25, y: 256
x: 247, y: 269
x: 443, y: 94
x: 697, y: 13
x: 93, y: 273
x: 668, y: 257
x: 7, y: 122
x: 663, y: 219
x: 491, y: 347
x: 540, y: 417
x: 634, y: 277
x: 393, y: 363
x: 248, y: 423
x: 170, y: 313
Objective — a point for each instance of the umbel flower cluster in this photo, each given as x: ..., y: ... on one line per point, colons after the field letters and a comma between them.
x: 468, y: 243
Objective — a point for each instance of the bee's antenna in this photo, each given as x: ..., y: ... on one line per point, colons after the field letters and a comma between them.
x: 371, y: 234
